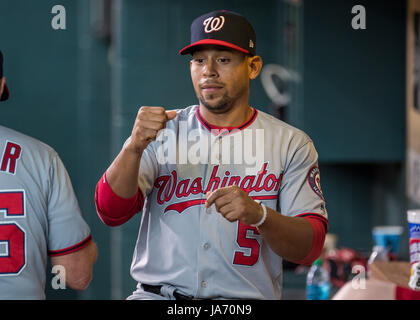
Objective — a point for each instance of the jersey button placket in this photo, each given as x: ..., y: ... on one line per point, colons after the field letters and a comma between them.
x: 219, y: 143
x: 203, y: 211
x: 215, y: 150
x: 207, y: 215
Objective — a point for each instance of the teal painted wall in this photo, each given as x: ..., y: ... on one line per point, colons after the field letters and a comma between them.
x: 354, y: 110
x: 354, y: 81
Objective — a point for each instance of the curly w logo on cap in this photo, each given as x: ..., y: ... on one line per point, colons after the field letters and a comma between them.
x: 213, y: 24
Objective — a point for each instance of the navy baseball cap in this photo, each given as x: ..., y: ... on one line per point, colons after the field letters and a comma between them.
x: 6, y: 93
x: 223, y: 28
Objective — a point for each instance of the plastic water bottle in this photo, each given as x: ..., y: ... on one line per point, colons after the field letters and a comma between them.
x: 379, y: 253
x: 317, y: 282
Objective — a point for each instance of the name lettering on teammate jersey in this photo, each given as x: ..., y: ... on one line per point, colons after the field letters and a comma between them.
x: 11, y: 154
x: 168, y: 186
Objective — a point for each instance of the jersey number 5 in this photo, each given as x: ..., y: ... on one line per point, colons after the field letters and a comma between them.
x: 12, y: 236
x: 244, y: 241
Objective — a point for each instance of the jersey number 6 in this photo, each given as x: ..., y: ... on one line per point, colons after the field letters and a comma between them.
x: 12, y: 236
x: 244, y: 241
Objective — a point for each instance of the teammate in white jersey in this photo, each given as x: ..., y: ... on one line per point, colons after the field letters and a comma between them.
x: 39, y: 217
x: 226, y: 191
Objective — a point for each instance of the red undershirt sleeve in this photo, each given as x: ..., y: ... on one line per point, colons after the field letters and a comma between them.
x: 112, y: 209
x: 320, y: 229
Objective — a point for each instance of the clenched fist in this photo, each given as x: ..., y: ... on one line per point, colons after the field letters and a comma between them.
x: 148, y: 122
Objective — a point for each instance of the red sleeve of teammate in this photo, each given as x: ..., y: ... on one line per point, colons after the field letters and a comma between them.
x: 112, y: 209
x: 320, y: 227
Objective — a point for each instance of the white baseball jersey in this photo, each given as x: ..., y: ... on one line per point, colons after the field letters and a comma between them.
x: 183, y: 245
x: 39, y: 215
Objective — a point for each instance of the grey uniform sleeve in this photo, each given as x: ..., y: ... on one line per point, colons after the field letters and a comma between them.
x: 67, y: 230
x: 301, y: 191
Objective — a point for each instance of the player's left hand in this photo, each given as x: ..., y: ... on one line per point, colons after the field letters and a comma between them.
x: 235, y: 204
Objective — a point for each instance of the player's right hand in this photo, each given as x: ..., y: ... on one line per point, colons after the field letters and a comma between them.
x: 149, y: 121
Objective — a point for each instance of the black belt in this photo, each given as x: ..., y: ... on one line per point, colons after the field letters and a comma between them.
x: 156, y: 290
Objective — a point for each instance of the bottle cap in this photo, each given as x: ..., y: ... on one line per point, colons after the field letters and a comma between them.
x: 317, y: 262
x: 413, y: 216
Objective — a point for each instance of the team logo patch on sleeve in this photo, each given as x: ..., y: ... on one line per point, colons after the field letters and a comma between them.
x: 315, y: 181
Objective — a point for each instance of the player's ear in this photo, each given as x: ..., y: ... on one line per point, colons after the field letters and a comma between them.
x: 254, y: 66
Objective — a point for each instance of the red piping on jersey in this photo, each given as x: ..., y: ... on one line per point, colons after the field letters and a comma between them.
x: 74, y: 248
x: 316, y: 216
x: 212, y: 128
x: 269, y: 197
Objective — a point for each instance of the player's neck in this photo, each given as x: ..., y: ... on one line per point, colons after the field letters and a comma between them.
x: 233, y: 117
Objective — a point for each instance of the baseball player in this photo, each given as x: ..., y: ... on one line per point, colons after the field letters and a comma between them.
x: 39, y: 217
x: 226, y: 191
